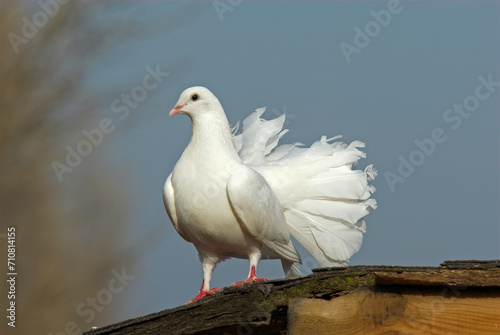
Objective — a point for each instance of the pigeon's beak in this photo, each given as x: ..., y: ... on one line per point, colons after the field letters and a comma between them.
x: 176, y: 110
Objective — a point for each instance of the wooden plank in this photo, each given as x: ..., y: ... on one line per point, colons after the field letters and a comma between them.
x: 247, y: 309
x: 407, y: 311
x: 262, y: 308
x: 471, y: 264
x: 441, y: 277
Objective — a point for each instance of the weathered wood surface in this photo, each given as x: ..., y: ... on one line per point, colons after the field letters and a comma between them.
x: 257, y: 309
x: 396, y: 310
x: 444, y: 277
x: 263, y: 308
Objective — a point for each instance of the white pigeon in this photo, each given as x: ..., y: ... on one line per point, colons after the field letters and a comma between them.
x: 243, y: 195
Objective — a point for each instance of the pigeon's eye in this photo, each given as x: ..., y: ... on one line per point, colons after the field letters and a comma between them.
x: 194, y: 97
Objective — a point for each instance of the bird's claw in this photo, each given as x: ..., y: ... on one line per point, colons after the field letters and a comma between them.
x: 249, y: 281
x: 203, y: 294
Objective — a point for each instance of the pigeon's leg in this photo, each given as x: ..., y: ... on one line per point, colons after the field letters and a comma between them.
x: 208, y: 265
x: 252, y: 274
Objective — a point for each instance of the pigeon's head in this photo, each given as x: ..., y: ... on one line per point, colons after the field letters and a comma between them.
x: 194, y: 101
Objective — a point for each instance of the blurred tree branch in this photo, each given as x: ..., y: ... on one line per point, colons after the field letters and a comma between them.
x: 68, y: 234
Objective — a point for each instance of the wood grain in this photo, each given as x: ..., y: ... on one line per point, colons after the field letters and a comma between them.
x: 372, y: 310
x: 441, y: 277
x: 460, y: 297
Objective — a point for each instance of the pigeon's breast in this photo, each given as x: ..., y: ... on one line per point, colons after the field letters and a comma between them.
x: 203, y: 209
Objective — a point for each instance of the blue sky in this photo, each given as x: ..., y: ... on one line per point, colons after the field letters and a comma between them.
x: 438, y: 184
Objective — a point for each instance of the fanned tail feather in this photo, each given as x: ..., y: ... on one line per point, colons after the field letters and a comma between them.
x: 290, y: 269
x: 324, y: 199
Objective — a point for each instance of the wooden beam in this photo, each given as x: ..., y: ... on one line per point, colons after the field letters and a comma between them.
x: 415, y: 298
x: 399, y: 310
x: 441, y: 277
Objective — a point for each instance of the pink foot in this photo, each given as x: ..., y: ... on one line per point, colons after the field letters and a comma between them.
x: 249, y: 281
x: 252, y: 279
x: 204, y: 294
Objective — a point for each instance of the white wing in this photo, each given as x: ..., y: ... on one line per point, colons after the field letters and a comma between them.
x: 323, y: 197
x: 259, y: 211
x: 169, y: 201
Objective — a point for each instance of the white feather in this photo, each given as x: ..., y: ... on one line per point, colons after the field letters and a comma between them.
x: 324, y: 199
x: 290, y: 268
x: 242, y: 194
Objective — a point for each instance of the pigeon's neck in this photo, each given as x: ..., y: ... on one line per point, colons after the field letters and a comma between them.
x: 212, y: 134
